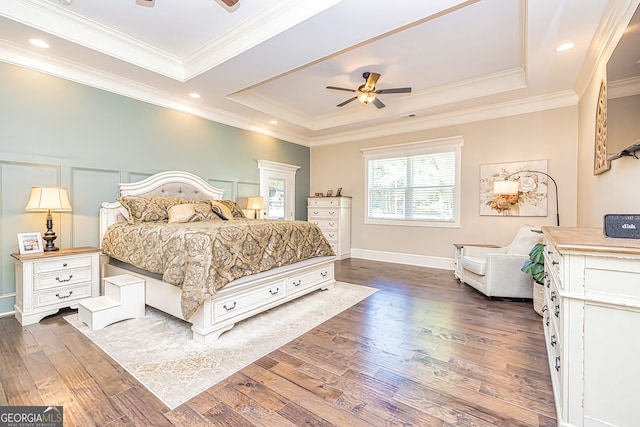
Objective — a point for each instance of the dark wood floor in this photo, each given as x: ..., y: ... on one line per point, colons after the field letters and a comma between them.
x: 422, y: 351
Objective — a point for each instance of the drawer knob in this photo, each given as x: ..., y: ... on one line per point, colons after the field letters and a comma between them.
x: 297, y: 282
x: 231, y: 307
x: 64, y: 296
x: 64, y: 280
x: 332, y: 224
x: 555, y: 262
x: 64, y: 265
x: 324, y: 273
x: 315, y: 212
x: 332, y: 213
x: 272, y: 292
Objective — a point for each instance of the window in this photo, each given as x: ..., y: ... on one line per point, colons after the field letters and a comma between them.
x: 414, y: 184
x: 278, y: 188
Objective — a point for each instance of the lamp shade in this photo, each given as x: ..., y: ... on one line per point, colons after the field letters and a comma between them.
x: 255, y: 203
x: 45, y: 199
x: 506, y: 187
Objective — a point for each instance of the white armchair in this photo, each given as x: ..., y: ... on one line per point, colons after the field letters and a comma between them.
x: 496, y: 271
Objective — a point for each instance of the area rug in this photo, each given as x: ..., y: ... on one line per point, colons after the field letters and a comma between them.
x: 158, y: 350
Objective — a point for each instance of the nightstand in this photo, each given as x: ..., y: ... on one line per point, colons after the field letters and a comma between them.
x: 49, y: 281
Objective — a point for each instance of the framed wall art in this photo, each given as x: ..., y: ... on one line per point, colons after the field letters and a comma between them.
x: 600, y: 162
x: 531, y: 199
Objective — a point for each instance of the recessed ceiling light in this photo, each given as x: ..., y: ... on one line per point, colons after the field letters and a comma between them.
x: 565, y: 46
x: 195, y: 95
x: 273, y: 122
x: 39, y: 43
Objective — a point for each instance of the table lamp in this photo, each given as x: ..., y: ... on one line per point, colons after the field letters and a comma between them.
x: 256, y: 204
x: 49, y: 199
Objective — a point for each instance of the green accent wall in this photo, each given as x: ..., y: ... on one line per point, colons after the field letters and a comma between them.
x: 57, y: 132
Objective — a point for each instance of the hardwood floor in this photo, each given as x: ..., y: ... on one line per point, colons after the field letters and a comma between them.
x: 422, y: 351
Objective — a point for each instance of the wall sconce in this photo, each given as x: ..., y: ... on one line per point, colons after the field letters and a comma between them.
x: 507, y: 187
x: 49, y: 199
x: 256, y: 204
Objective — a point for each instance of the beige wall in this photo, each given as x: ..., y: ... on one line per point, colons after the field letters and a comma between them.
x: 550, y: 135
x: 614, y: 191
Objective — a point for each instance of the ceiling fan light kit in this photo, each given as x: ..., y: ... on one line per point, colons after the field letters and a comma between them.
x: 366, y: 93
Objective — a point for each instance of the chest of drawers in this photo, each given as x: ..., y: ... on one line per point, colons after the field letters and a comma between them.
x: 591, y: 318
x: 333, y: 216
x: 49, y: 281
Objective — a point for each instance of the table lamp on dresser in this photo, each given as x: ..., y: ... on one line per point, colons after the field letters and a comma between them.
x: 49, y: 199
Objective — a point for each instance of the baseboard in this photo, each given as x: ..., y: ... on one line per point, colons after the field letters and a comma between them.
x: 400, y: 258
x: 7, y: 302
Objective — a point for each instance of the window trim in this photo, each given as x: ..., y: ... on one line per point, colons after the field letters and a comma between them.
x: 453, y: 143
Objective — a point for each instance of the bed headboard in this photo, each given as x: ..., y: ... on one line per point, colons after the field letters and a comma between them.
x: 166, y: 184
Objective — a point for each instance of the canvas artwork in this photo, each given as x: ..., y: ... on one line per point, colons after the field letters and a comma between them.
x: 531, y: 199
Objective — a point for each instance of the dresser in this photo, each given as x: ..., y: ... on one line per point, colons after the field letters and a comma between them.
x: 48, y: 281
x: 591, y: 316
x: 333, y: 216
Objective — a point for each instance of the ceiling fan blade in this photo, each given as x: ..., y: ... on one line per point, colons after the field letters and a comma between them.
x: 147, y: 3
x: 378, y: 103
x: 372, y: 79
x: 342, y: 104
x: 341, y: 88
x: 395, y: 90
x: 229, y: 3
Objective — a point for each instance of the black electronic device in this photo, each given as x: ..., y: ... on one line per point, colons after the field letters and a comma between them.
x: 622, y: 226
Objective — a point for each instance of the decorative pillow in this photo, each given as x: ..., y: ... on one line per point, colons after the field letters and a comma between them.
x: 148, y: 209
x: 204, y: 212
x: 221, y: 209
x: 233, y: 206
x: 192, y: 212
x: 185, y: 212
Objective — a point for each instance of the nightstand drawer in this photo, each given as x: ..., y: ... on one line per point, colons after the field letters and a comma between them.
x: 61, y: 264
x: 61, y: 278
x: 62, y: 295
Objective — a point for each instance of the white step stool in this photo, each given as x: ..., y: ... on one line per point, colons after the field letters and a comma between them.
x: 123, y: 299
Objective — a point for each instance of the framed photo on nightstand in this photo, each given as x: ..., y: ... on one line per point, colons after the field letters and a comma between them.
x: 30, y: 243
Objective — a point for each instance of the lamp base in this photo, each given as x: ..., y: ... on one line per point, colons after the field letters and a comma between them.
x: 50, y: 236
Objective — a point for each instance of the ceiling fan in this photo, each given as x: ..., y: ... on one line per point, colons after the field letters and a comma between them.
x: 151, y: 3
x: 367, y: 92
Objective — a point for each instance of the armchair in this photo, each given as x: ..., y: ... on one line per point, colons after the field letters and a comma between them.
x: 495, y: 271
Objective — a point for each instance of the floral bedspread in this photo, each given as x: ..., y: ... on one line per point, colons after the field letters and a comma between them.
x: 202, y: 257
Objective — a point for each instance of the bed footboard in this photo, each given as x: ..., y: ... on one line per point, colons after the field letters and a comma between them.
x: 241, y: 300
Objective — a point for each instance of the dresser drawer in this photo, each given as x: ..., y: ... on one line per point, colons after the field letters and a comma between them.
x: 61, y: 278
x: 325, y: 224
x: 323, y: 213
x: 61, y: 264
x: 324, y: 201
x: 226, y: 308
x: 311, y: 278
x: 62, y: 295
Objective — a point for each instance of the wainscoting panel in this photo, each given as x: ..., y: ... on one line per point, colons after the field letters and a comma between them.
x: 89, y: 188
x: 229, y: 187
x: 16, y: 180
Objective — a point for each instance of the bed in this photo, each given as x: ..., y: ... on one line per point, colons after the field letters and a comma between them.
x: 209, y: 270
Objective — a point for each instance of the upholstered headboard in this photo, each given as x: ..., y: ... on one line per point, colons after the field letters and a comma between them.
x: 166, y: 184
